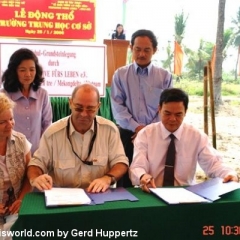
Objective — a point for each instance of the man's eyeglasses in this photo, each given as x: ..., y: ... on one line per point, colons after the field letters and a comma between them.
x: 90, y: 109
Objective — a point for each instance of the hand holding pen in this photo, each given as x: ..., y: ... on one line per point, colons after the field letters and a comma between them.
x: 147, y: 181
x: 42, y: 182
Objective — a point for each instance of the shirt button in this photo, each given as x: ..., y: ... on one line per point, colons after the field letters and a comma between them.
x: 27, y: 117
x: 26, y: 107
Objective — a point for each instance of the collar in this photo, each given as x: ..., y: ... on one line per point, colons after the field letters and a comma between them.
x: 12, y: 138
x: 142, y: 71
x: 166, y: 133
x: 72, y: 129
x: 17, y: 95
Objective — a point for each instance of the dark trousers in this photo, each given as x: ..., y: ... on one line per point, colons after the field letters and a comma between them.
x: 128, y: 148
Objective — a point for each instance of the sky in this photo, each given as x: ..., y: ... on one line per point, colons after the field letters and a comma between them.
x: 158, y: 15
x: 201, y: 23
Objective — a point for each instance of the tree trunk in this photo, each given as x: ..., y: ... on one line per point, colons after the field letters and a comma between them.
x: 236, y: 68
x: 217, y: 76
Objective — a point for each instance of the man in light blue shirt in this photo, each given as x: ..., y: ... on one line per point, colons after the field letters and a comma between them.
x: 135, y: 91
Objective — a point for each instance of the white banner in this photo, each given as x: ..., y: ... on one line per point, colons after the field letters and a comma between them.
x: 64, y: 66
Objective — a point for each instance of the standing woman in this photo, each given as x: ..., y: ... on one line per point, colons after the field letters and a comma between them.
x: 22, y: 82
x: 14, y: 158
x: 119, y: 32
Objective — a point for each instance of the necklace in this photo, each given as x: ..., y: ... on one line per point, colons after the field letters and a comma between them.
x: 86, y: 161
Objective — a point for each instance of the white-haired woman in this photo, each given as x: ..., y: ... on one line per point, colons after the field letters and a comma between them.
x: 14, y: 157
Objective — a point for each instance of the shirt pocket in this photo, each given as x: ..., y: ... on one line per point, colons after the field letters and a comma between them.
x: 100, y: 161
x: 65, y: 172
x: 153, y: 97
x: 100, y: 167
x: 66, y: 164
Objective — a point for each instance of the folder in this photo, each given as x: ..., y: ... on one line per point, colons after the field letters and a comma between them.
x: 205, y: 192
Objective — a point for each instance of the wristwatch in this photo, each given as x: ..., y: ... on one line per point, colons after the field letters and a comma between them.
x: 113, y: 179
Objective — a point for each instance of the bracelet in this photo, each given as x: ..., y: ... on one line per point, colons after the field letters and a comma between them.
x: 113, y: 179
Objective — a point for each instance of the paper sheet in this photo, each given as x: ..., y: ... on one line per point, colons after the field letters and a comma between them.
x: 66, y: 196
x: 177, y: 195
x: 207, y: 191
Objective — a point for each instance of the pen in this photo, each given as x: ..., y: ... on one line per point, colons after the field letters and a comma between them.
x: 147, y: 181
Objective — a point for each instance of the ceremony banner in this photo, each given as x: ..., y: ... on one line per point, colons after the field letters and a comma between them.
x: 178, y: 59
x: 64, y: 66
x: 48, y: 19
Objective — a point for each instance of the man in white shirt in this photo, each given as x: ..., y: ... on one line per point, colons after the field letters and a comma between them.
x: 192, y: 147
x: 82, y: 150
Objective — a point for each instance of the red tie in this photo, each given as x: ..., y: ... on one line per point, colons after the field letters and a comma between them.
x: 168, y: 179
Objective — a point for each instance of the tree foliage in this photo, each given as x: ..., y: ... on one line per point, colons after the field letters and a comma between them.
x: 198, y: 59
x: 180, y: 26
x: 168, y: 62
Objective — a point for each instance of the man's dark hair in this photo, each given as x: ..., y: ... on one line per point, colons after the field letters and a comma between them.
x: 174, y: 95
x: 10, y: 77
x: 145, y: 33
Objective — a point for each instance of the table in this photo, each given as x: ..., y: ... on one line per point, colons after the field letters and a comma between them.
x: 149, y: 218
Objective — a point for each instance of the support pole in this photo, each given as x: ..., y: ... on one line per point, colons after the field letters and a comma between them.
x: 212, y: 105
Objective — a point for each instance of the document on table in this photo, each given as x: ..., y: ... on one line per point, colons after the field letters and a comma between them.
x: 213, y: 188
x: 112, y: 194
x: 178, y: 195
x: 207, y: 191
x: 66, y: 196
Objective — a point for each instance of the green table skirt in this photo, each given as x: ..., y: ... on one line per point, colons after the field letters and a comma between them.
x: 149, y: 218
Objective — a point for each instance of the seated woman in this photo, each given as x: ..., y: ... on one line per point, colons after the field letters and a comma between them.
x: 119, y: 32
x: 14, y: 157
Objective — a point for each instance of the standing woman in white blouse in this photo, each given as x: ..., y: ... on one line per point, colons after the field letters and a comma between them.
x: 22, y: 83
x: 14, y: 157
